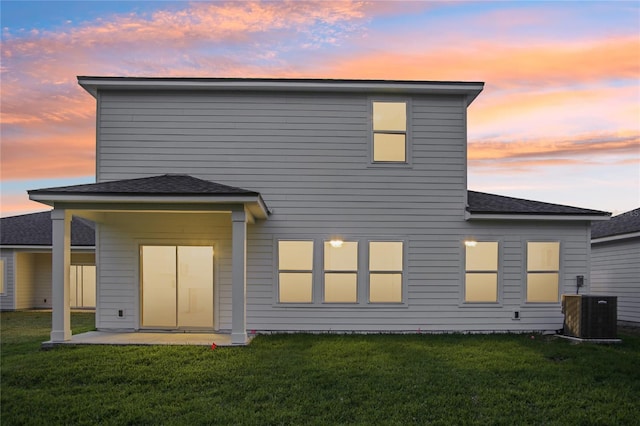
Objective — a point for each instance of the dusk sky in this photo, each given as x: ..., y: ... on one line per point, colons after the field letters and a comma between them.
x: 558, y: 121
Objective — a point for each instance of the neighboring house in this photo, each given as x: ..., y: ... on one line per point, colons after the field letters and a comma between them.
x: 615, y: 263
x: 306, y: 205
x: 25, y: 262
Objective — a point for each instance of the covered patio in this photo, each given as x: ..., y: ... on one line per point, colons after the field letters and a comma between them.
x: 146, y: 338
x: 145, y: 199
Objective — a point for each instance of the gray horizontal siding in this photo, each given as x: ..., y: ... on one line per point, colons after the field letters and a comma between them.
x: 25, y: 278
x: 435, y: 279
x: 120, y: 236
x: 42, y: 280
x: 245, y: 139
x: 308, y: 157
x: 615, y: 271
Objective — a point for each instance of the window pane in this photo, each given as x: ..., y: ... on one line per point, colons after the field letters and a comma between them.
x: 543, y: 256
x: 89, y: 286
x: 344, y: 258
x: 195, y: 286
x: 390, y: 116
x: 159, y: 286
x: 481, y: 288
x: 2, y: 272
x: 542, y: 287
x: 73, y: 285
x: 389, y: 147
x: 295, y: 287
x: 385, y: 288
x: 340, y: 287
x: 482, y: 257
x: 295, y: 255
x: 385, y: 256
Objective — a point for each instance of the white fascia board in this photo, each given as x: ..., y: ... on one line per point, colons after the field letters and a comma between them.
x: 45, y: 248
x: 537, y: 217
x: 615, y: 238
x: 260, y: 210
x: 471, y: 89
x: 75, y: 198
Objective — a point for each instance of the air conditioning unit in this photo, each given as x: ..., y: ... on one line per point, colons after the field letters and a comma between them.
x: 589, y: 316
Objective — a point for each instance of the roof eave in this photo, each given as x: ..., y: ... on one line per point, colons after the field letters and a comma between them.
x: 43, y: 247
x: 253, y: 201
x: 618, y: 237
x: 534, y: 216
x: 469, y: 89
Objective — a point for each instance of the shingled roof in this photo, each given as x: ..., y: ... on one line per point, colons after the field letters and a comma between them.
x: 625, y: 223
x: 483, y: 203
x: 35, y: 230
x: 175, y: 185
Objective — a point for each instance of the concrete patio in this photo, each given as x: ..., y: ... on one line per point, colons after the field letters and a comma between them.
x: 146, y: 338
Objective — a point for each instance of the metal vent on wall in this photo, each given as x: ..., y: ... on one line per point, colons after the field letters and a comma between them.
x: 590, y: 316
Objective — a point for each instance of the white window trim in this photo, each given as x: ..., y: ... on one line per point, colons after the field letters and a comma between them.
x: 404, y: 286
x: 362, y: 277
x: 3, y: 276
x: 356, y: 271
x: 525, y: 279
x: 463, y: 274
x: 408, y: 163
x: 313, y: 271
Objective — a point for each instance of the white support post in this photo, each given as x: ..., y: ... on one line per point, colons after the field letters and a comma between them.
x: 238, y: 278
x: 61, y: 256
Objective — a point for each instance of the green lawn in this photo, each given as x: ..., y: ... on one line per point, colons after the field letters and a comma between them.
x: 318, y: 379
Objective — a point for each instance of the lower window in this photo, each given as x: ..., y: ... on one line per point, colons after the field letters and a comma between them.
x: 481, y: 276
x: 2, y: 284
x: 295, y: 271
x: 385, y: 271
x: 341, y: 272
x: 543, y: 272
x: 341, y: 280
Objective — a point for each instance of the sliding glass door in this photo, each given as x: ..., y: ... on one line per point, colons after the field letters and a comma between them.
x: 82, y: 286
x: 177, y: 286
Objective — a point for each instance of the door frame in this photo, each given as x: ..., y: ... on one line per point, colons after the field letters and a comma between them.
x: 216, y: 299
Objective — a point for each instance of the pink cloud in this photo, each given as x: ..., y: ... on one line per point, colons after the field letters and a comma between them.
x: 559, y: 111
x: 502, y: 64
x: 537, y: 93
x: 16, y: 204
x: 50, y: 154
x: 200, y: 22
x: 48, y: 121
x: 499, y: 156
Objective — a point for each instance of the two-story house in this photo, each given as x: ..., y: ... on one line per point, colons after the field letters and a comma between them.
x: 306, y: 205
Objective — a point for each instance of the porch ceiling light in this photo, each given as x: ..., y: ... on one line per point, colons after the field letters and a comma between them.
x: 470, y: 243
x: 336, y: 242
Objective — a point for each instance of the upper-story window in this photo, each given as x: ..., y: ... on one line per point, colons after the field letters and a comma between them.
x: 389, y: 132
